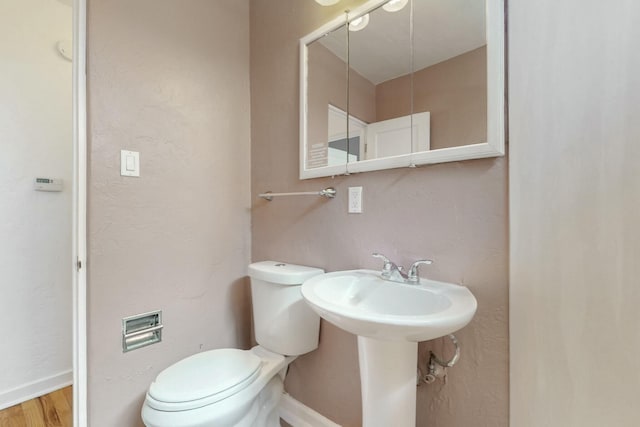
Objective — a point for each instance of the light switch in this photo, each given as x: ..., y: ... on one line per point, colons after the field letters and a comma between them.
x: 129, y: 163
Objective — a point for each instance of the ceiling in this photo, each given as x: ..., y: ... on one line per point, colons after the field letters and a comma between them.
x: 443, y: 29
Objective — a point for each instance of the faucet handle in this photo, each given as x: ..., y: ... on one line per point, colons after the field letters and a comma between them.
x: 384, y: 258
x: 387, y: 261
x: 413, y: 276
x: 388, y: 264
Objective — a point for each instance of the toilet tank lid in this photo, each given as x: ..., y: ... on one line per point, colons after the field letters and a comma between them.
x: 282, y: 273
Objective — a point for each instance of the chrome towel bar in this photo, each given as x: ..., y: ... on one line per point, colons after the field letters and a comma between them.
x: 328, y: 192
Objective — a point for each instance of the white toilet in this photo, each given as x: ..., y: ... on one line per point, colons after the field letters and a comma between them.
x: 231, y: 387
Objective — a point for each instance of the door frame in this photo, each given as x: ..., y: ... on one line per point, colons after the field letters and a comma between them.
x: 79, y: 208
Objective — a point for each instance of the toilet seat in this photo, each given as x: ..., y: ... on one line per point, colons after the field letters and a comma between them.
x: 203, y: 379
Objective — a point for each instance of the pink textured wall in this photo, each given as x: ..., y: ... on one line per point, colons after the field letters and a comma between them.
x: 170, y: 80
x: 453, y: 213
x: 453, y: 91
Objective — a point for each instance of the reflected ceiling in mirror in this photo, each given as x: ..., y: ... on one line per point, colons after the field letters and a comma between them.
x: 424, y: 93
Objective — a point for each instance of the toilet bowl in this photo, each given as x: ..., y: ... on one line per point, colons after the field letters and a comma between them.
x: 233, y: 387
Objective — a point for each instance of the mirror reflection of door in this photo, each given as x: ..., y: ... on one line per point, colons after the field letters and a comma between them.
x: 343, y: 145
x: 379, y: 52
x: 36, y: 158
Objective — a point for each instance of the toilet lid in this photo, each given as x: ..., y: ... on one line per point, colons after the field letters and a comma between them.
x: 204, y: 378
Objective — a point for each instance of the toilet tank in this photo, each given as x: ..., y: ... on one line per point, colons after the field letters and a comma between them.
x: 282, y: 321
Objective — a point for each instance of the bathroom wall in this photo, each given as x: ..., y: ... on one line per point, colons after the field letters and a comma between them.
x: 35, y: 227
x: 171, y: 80
x: 453, y: 213
x: 574, y: 123
x: 453, y: 91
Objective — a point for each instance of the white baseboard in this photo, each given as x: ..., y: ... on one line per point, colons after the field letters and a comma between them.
x: 35, y: 389
x: 300, y: 415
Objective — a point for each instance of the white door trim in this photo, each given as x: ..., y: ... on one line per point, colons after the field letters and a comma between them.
x: 79, y: 238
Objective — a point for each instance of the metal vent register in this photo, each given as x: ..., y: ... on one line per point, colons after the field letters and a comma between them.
x: 141, y: 330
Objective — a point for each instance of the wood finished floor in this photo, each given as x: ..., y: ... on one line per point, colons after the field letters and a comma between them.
x: 50, y: 410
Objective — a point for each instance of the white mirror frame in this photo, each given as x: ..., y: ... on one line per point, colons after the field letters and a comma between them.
x: 495, y: 145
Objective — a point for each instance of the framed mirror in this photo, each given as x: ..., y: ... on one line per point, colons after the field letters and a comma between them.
x: 424, y: 82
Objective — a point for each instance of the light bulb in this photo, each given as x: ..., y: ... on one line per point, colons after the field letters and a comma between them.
x: 327, y: 2
x: 395, y: 5
x: 359, y: 23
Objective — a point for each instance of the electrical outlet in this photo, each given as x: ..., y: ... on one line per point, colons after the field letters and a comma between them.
x: 355, y: 199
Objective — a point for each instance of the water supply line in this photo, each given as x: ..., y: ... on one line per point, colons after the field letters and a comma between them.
x: 437, y: 368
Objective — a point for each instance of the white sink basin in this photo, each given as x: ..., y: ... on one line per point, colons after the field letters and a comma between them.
x: 362, y: 303
x: 390, y: 319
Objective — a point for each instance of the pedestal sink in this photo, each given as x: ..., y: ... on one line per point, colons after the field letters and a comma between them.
x: 390, y: 319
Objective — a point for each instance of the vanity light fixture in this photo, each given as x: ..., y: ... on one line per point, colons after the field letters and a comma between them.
x: 327, y: 2
x: 359, y: 23
x: 394, y: 5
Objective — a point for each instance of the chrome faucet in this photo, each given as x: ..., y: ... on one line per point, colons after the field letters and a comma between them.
x: 394, y: 273
x: 390, y: 271
x: 413, y: 276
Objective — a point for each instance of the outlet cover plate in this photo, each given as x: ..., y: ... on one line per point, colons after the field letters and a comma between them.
x: 355, y: 199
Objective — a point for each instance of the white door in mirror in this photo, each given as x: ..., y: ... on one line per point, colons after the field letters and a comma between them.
x: 129, y: 163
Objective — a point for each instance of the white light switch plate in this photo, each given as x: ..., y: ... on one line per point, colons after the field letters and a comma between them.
x: 129, y: 163
x: 355, y: 199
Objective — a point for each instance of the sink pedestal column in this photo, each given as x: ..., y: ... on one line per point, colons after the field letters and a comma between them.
x: 388, y: 380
